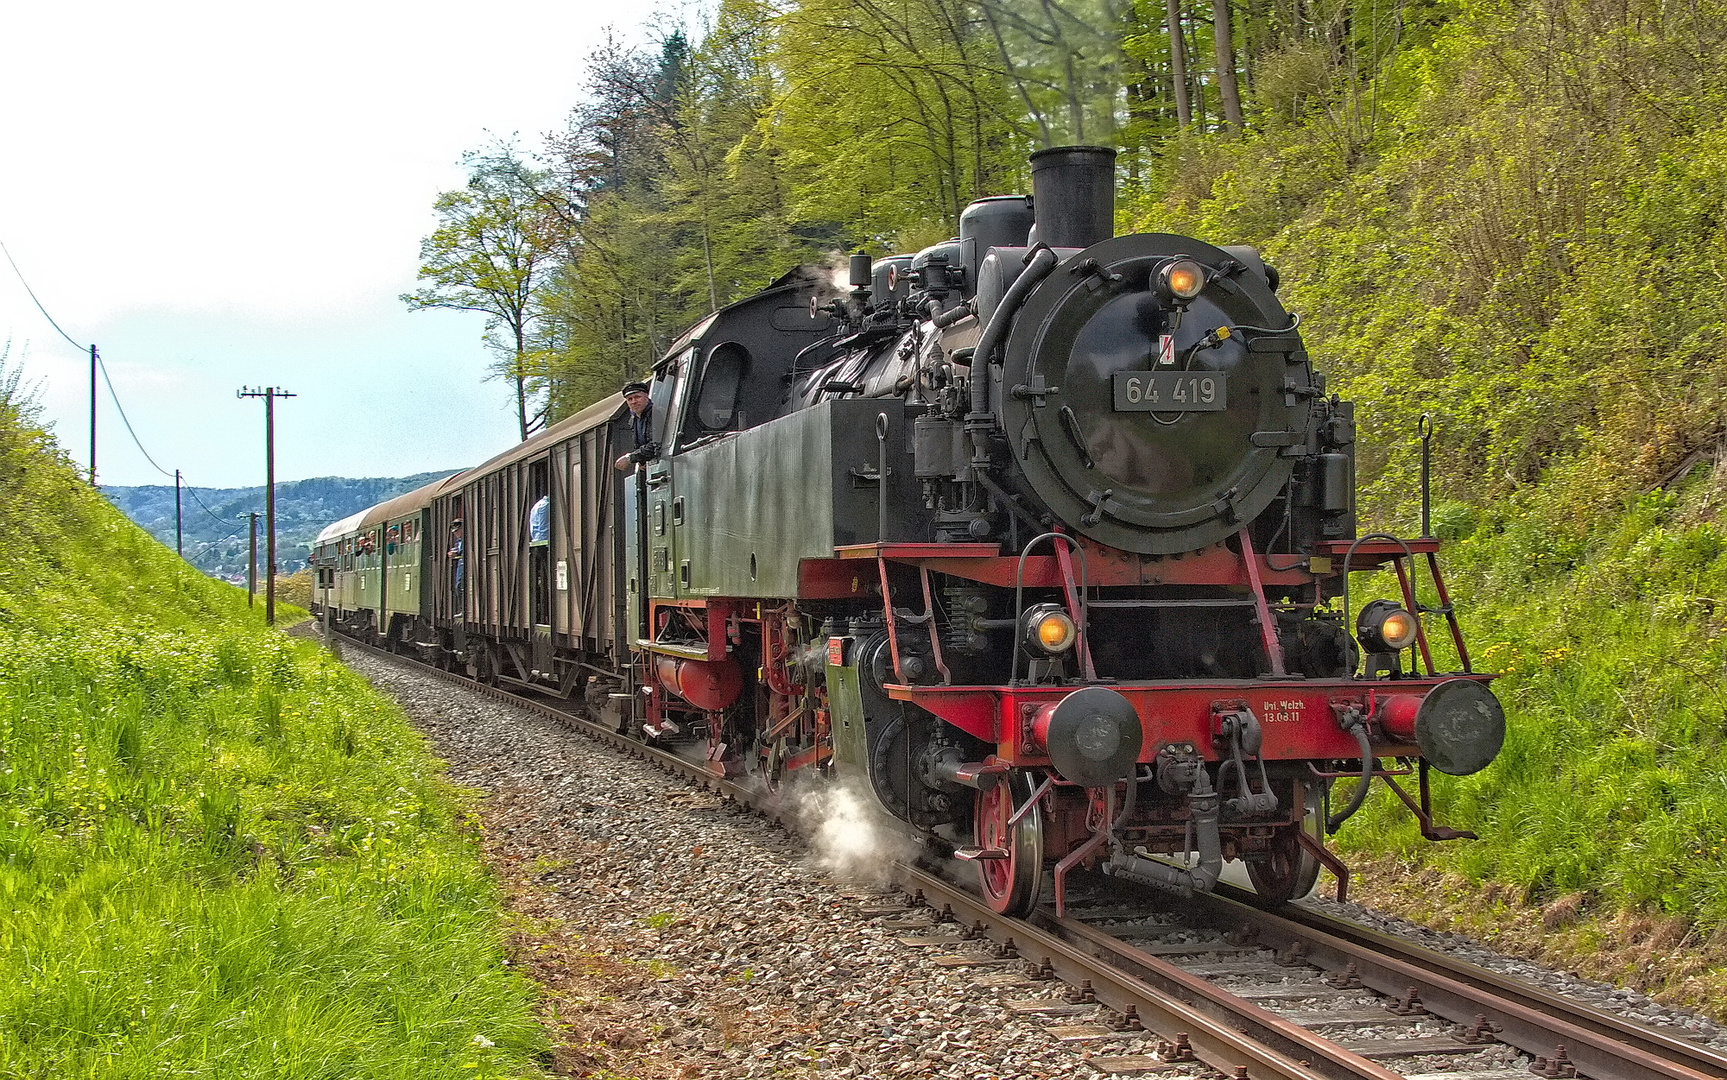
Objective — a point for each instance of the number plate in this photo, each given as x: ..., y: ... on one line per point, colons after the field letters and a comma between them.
x: 1170, y: 391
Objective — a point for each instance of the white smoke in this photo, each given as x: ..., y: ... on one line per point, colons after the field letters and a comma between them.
x: 851, y: 837
x: 835, y: 272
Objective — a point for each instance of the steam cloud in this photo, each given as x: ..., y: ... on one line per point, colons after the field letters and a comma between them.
x: 851, y: 837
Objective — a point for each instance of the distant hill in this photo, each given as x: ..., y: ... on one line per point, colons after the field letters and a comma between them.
x: 215, y: 522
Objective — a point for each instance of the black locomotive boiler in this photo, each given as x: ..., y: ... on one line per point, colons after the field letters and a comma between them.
x: 1041, y: 535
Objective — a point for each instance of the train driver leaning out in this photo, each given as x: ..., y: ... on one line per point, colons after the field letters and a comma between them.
x: 641, y: 427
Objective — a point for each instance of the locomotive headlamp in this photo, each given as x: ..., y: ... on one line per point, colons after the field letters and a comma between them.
x: 1181, y: 280
x: 1383, y: 626
x: 1048, y: 630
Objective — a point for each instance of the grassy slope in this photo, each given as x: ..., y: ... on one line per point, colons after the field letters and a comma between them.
x: 1524, y: 237
x: 220, y: 852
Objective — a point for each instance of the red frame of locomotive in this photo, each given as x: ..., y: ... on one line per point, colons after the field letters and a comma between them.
x: 1300, y: 715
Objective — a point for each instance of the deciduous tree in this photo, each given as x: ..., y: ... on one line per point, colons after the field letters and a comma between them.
x: 491, y: 250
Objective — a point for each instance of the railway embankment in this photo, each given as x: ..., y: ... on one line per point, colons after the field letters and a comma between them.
x: 678, y: 935
x: 221, y: 853
x: 1600, y: 844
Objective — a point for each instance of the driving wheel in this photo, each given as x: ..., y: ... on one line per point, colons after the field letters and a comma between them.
x: 1011, y: 884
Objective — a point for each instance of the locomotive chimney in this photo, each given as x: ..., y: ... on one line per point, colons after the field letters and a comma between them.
x: 1073, y: 195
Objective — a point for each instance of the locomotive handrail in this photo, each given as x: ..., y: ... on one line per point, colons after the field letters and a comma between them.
x: 881, y: 425
x: 1407, y: 587
x: 1081, y: 641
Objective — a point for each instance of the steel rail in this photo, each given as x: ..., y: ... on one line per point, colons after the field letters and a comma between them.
x: 1600, y: 1045
x: 1704, y: 1059
x: 1224, y: 1031
x: 1214, y: 1039
x: 1255, y: 1020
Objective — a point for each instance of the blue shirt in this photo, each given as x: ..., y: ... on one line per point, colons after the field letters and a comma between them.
x: 540, y: 521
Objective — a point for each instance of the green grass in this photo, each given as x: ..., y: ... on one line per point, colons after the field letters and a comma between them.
x: 1613, y: 781
x: 221, y: 853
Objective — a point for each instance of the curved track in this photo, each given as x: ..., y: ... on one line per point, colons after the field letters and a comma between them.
x: 1195, y: 1019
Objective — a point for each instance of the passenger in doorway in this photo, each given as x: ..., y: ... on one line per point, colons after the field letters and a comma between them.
x: 644, y: 449
x: 455, y: 553
x: 540, y: 522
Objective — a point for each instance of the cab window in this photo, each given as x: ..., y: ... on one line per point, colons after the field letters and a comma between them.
x: 722, y: 377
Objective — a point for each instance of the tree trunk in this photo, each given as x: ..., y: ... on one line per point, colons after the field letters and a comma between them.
x: 708, y: 256
x: 1198, y: 91
x: 1226, y: 88
x: 521, y: 387
x: 1178, y: 64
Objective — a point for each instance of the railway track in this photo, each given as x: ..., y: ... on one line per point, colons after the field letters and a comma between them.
x: 1214, y: 981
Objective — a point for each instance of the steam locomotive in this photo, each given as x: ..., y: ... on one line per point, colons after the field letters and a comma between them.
x: 1042, y: 536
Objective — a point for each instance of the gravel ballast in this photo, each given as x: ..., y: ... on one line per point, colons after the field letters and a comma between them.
x: 679, y: 935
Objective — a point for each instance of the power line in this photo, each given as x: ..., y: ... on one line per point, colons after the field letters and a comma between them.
x: 100, y: 363
x: 94, y: 355
x: 113, y: 396
x: 219, y: 519
x: 42, y: 309
x: 204, y: 548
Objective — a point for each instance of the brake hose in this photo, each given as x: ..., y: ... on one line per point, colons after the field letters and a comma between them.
x: 1356, y: 724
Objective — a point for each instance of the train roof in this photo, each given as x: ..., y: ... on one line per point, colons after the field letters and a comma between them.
x: 603, y: 411
x: 796, y: 278
x: 389, y: 510
x: 600, y: 412
x: 414, y: 501
x: 336, y: 529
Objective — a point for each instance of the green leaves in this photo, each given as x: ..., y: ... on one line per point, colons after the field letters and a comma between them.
x: 493, y: 246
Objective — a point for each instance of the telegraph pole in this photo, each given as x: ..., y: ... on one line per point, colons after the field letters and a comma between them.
x: 179, y: 537
x: 92, y: 416
x: 252, y: 565
x: 269, y: 394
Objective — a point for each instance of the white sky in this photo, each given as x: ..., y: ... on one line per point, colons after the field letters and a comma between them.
x: 220, y: 195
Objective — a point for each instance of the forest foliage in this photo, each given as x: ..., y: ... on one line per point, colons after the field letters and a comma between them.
x: 1508, y: 216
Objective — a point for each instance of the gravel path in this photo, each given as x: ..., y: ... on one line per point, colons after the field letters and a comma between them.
x: 680, y: 936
